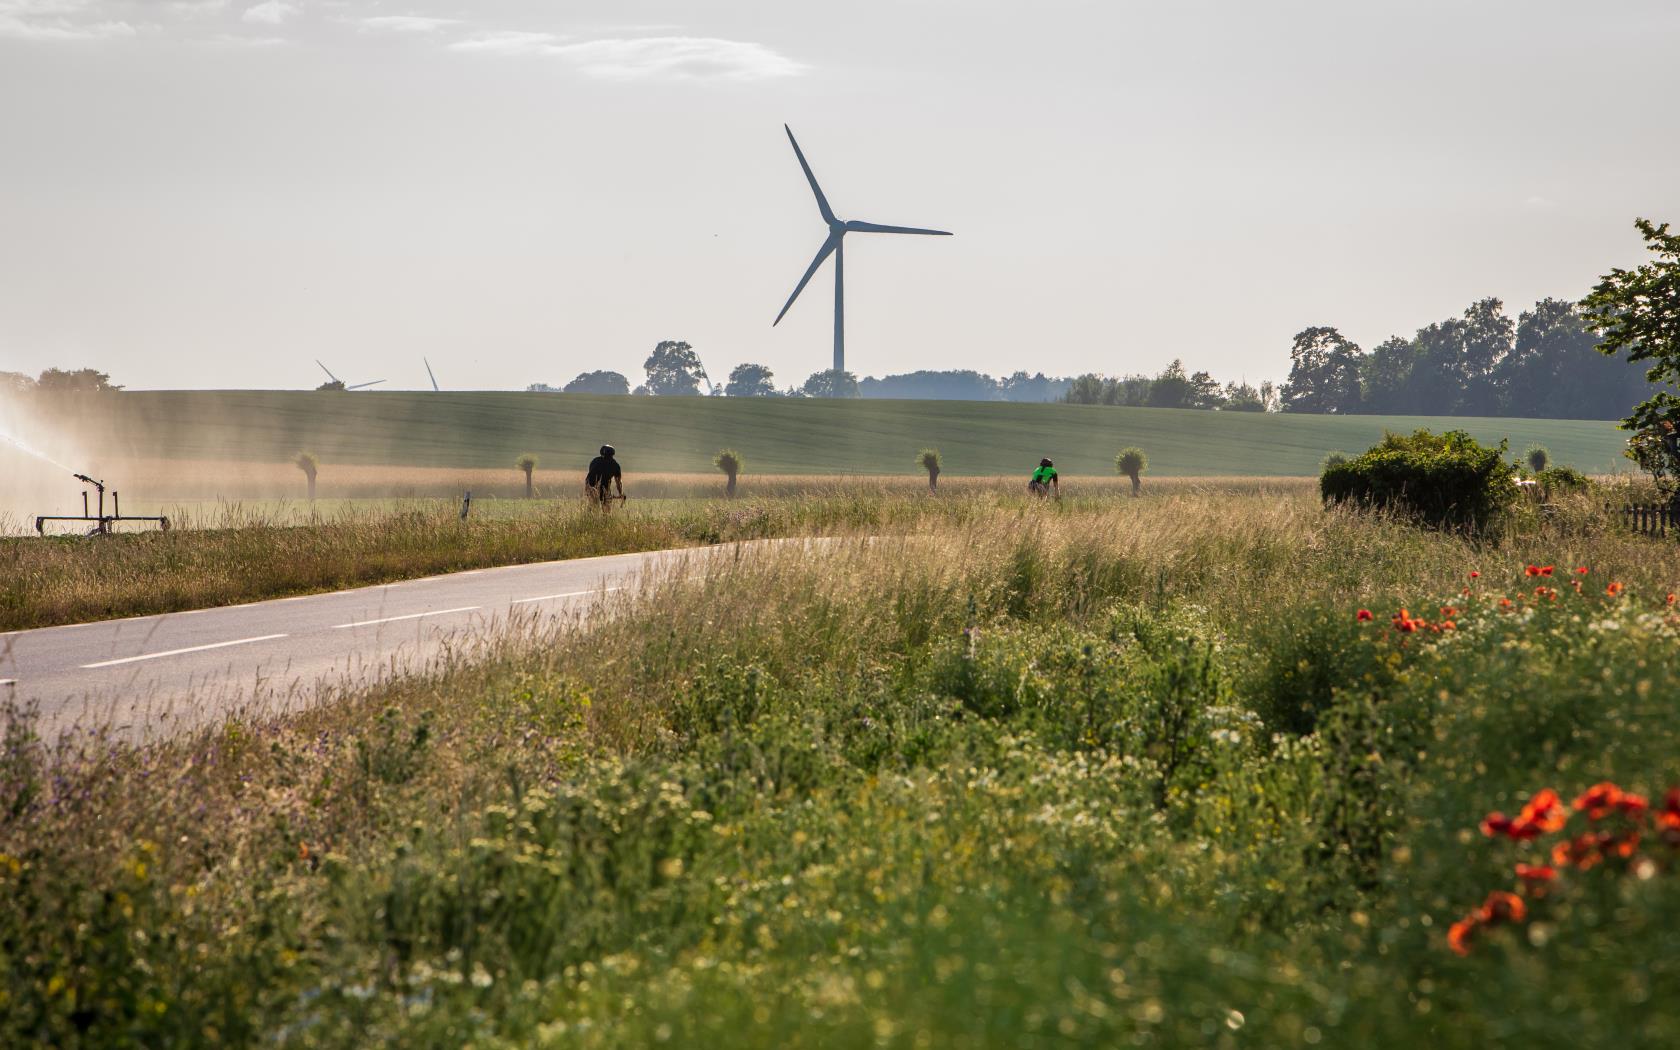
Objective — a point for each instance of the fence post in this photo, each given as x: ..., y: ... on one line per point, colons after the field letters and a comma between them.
x: 466, y: 505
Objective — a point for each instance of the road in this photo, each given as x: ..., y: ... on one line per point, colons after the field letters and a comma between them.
x: 152, y: 674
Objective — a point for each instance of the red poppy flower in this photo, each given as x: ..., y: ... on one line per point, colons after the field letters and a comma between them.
x: 1546, y: 570
x: 1624, y: 845
x: 1448, y: 612
x: 1583, y: 851
x: 1474, y: 575
x: 1502, y: 906
x: 1461, y: 934
x: 1671, y: 598
x: 1613, y: 590
x: 1365, y: 616
x: 1669, y: 815
x: 1544, y: 811
x: 1536, y: 875
x: 1496, y: 824
x: 1506, y: 603
x: 1532, y: 570
x: 1580, y: 570
x: 1600, y: 800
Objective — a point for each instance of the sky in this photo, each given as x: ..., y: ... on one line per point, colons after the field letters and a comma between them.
x: 215, y: 193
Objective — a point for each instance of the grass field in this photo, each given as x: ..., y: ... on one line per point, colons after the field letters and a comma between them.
x: 979, y: 773
x: 655, y: 435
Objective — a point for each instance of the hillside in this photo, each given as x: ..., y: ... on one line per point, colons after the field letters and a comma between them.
x: 796, y: 436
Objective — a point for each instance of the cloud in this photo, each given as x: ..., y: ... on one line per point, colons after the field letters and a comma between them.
x: 48, y: 20
x: 269, y: 12
x: 678, y: 57
x: 508, y: 42
x: 645, y: 58
x: 405, y: 23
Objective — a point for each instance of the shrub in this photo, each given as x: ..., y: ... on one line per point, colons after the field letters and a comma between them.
x: 308, y: 463
x: 1441, y: 480
x: 1334, y: 459
x: 1562, y: 479
x: 1537, y: 458
x: 527, y: 463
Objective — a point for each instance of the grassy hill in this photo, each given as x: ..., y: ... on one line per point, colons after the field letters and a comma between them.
x: 469, y: 429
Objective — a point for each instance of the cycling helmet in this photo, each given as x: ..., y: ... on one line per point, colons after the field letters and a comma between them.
x: 608, y: 450
x: 1045, y: 463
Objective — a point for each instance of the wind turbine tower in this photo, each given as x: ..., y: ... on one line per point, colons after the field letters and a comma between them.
x: 835, y: 246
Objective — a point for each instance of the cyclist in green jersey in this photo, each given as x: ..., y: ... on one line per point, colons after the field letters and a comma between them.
x: 1044, y: 480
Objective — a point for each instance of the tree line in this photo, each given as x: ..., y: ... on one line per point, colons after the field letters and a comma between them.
x: 674, y: 370
x: 1545, y: 365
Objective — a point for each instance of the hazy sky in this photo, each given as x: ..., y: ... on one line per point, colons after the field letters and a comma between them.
x: 202, y: 193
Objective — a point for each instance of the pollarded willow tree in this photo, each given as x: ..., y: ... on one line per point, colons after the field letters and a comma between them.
x: 1637, y: 312
x: 307, y: 463
x: 728, y: 461
x: 1132, y: 463
x: 928, y: 459
x: 528, y: 463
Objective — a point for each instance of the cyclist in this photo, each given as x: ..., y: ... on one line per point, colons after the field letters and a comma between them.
x: 1044, y: 480
x: 604, y: 473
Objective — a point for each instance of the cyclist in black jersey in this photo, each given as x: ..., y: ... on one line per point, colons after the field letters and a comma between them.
x: 604, y: 474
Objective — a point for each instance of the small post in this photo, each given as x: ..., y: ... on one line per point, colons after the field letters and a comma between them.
x: 466, y: 505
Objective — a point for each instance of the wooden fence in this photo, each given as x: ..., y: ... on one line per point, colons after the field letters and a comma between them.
x: 1647, y: 519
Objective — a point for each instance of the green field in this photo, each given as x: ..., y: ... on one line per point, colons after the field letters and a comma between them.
x: 774, y: 436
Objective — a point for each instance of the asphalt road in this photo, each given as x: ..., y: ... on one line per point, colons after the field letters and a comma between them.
x: 153, y: 674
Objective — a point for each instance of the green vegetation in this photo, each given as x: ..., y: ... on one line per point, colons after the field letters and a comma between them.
x: 527, y: 464
x: 779, y: 435
x: 1447, y: 480
x: 1537, y: 459
x: 1120, y: 772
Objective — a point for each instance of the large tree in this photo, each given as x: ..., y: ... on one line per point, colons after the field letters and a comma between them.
x: 749, y: 380
x: 1172, y: 388
x: 1638, y: 314
x: 601, y: 382
x: 673, y: 369
x: 834, y: 382
x: 1323, y: 373
x: 78, y: 381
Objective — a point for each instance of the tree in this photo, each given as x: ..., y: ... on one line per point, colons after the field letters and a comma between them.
x: 1555, y: 371
x: 80, y: 381
x: 15, y: 383
x: 957, y: 385
x: 673, y: 370
x: 750, y: 380
x: 330, y: 385
x: 601, y: 382
x: 928, y: 459
x: 1132, y: 463
x: 1205, y: 392
x: 1240, y: 397
x: 1323, y: 373
x: 832, y: 383
x: 1172, y: 388
x: 1537, y: 458
x: 307, y: 463
x: 1085, y: 390
x: 527, y: 463
x: 728, y: 461
x: 1638, y: 313
x: 1488, y: 336
x: 1386, y: 374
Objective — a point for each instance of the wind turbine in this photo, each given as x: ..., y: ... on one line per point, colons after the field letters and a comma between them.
x: 429, y: 375
x: 835, y: 246
x: 341, y: 382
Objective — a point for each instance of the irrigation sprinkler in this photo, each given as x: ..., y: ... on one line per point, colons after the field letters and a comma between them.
x: 101, y: 521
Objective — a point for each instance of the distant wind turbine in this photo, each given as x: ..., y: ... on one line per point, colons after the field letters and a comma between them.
x: 340, y: 382
x: 429, y: 374
x: 835, y: 246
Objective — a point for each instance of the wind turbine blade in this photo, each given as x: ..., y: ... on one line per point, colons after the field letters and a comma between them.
x: 872, y: 227
x: 359, y: 386
x: 429, y: 374
x: 327, y: 370
x: 822, y: 253
x: 822, y: 202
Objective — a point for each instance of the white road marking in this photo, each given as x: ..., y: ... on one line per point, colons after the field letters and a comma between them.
x: 410, y: 616
x: 178, y: 652
x: 568, y: 594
